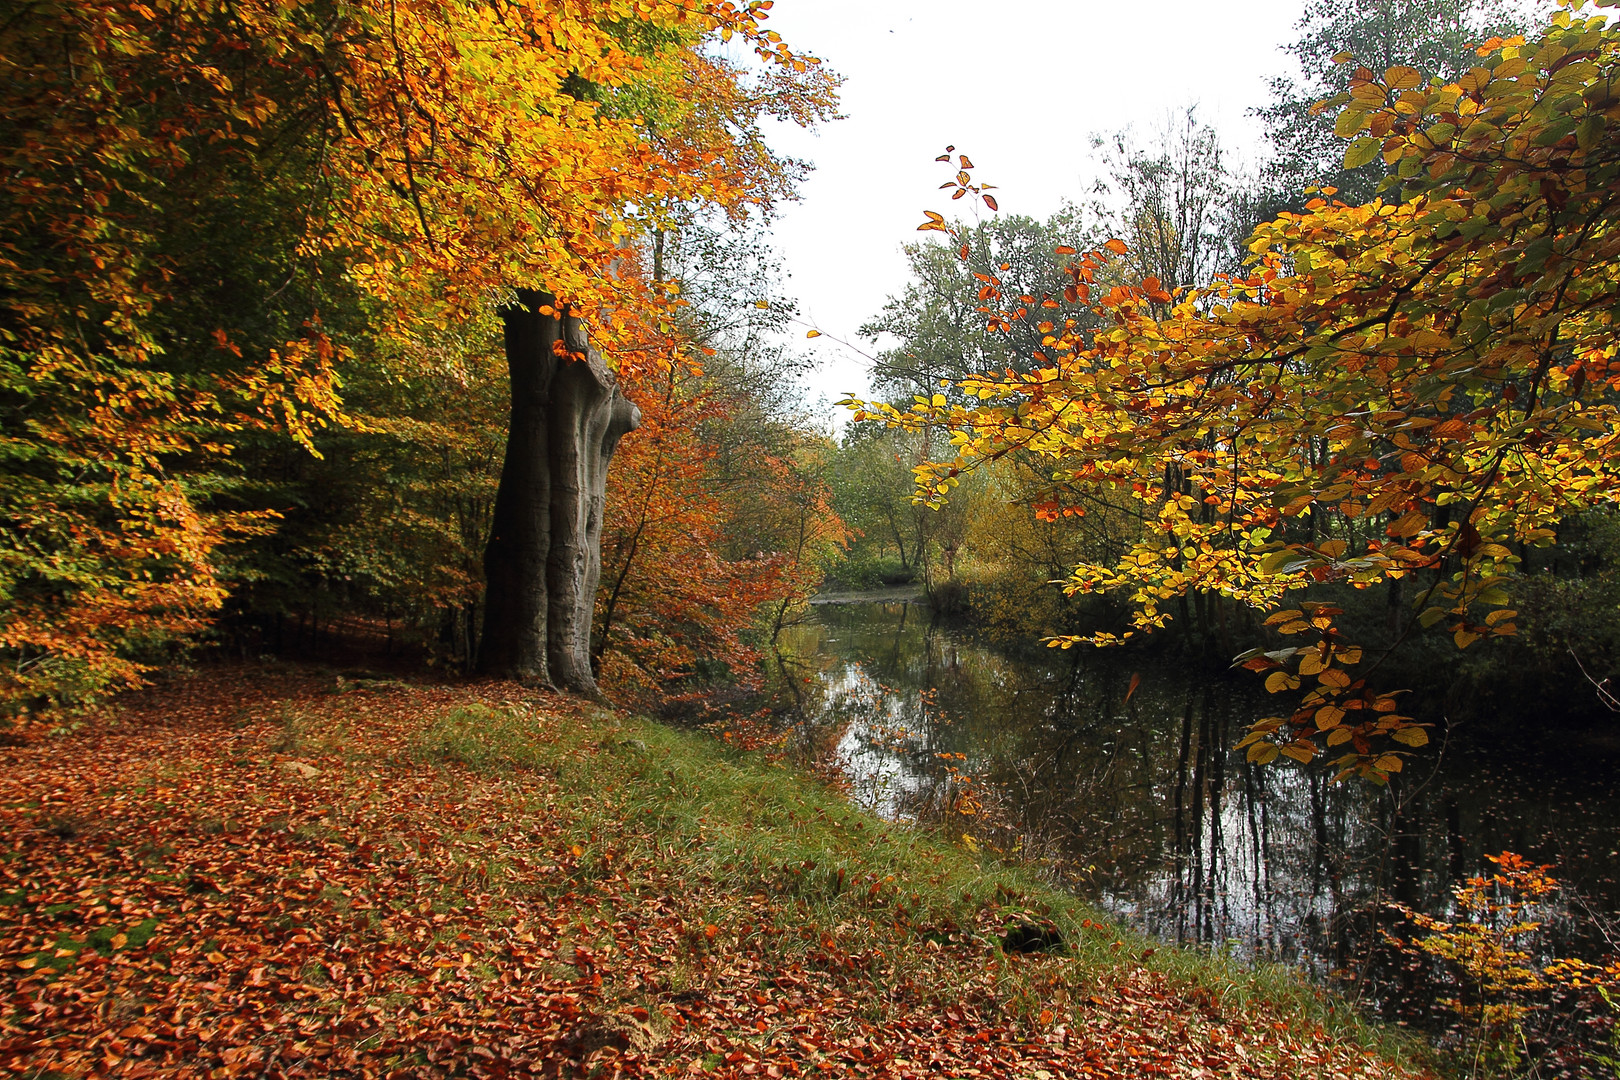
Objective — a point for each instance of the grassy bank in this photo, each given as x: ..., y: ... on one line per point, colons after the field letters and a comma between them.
x: 284, y: 874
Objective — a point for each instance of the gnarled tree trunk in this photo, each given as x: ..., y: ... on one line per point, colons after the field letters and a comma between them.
x: 544, y: 557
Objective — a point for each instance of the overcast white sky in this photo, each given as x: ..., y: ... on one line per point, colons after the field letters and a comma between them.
x: 1019, y: 86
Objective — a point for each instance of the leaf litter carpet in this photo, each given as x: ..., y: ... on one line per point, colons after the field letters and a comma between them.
x: 251, y: 873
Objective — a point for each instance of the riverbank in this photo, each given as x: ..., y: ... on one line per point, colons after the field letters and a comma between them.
x: 285, y: 873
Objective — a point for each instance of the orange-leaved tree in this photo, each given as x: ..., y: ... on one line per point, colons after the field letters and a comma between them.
x: 718, y: 522
x: 1410, y: 389
x: 208, y: 210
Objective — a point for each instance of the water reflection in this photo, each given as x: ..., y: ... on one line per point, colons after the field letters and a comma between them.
x: 1135, y: 799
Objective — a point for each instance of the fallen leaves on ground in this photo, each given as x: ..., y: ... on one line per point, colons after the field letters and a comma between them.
x: 259, y: 873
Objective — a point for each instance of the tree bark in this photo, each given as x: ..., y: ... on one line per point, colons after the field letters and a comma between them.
x: 543, y: 560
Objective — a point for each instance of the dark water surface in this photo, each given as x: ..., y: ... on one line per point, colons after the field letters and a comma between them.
x: 1142, y: 806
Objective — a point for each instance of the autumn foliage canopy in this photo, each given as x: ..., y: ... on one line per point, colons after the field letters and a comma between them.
x: 210, y: 213
x: 1420, y: 387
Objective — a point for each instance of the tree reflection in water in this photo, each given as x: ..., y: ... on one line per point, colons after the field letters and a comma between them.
x: 1142, y: 805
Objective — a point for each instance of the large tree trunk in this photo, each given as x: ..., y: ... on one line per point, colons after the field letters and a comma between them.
x: 544, y: 557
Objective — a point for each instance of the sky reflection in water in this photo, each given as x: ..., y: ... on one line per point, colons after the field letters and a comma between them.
x: 1142, y: 806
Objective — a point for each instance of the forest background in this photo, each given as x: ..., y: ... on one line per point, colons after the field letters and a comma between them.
x: 255, y: 396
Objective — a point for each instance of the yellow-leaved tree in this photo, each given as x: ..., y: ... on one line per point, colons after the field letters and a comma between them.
x: 1411, y: 388
x: 207, y: 211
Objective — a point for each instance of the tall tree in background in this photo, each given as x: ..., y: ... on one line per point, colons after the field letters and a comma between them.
x: 719, y: 522
x: 939, y: 329
x: 1435, y: 37
x: 1175, y: 201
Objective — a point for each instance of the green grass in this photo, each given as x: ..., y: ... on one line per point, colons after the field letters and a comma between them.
x: 768, y: 849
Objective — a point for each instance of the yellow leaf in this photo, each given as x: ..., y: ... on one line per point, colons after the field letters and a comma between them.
x: 1311, y: 663
x: 1279, y: 681
x: 1300, y: 752
x: 813, y: 333
x: 1339, y: 736
x: 1409, y: 524
x: 1328, y: 716
x: 1388, y: 763
x: 1335, y: 678
x: 1412, y: 736
x: 1401, y: 77
x: 1263, y: 753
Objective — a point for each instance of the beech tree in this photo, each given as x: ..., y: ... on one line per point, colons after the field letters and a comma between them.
x: 544, y: 557
x: 424, y: 159
x: 1412, y: 388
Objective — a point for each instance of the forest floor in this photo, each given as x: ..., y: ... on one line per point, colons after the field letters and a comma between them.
x: 277, y: 872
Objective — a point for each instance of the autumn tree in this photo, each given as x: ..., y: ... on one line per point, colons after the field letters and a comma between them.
x: 719, y: 521
x: 1410, y: 388
x: 408, y: 163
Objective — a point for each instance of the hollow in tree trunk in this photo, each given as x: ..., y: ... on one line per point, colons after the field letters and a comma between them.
x: 544, y: 557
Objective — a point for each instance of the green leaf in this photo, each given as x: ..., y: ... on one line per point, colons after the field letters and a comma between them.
x: 1441, y: 133
x: 1360, y: 152
x: 1553, y: 133
x: 1281, y: 562
x: 1350, y: 122
x: 1589, y: 131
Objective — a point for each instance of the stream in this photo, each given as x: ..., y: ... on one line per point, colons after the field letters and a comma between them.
x: 1134, y: 799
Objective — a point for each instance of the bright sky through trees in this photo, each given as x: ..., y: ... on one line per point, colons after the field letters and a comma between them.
x: 1020, y: 86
